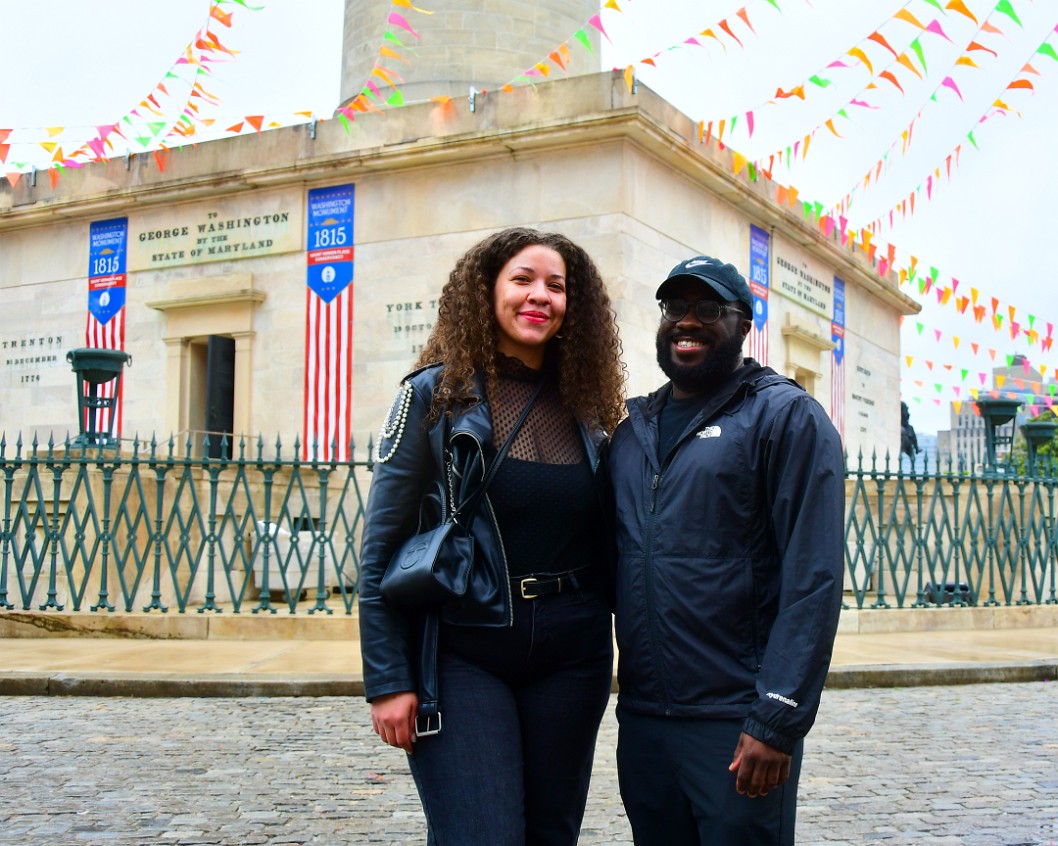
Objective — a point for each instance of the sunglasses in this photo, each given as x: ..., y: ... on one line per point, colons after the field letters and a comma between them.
x: 707, y: 311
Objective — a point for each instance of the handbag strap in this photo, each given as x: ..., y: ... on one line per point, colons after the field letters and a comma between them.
x: 470, y: 507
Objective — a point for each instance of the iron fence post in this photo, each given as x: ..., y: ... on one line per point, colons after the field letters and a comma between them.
x: 160, y: 468
x: 264, y: 600
x: 54, y: 537
x: 107, y: 469
x: 7, y: 535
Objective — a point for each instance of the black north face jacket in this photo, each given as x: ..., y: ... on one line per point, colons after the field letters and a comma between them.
x: 730, y: 557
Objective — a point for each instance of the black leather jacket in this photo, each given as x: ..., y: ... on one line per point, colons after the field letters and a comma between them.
x: 389, y: 638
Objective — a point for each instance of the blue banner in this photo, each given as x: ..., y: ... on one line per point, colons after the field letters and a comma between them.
x: 759, y: 262
x: 330, y: 240
x: 837, y: 326
x: 107, y: 251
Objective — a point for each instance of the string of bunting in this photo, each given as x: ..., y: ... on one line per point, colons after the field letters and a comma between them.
x: 147, y: 124
x: 374, y: 97
x: 789, y: 196
x: 944, y: 171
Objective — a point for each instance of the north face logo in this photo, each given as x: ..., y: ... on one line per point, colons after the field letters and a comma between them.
x: 709, y: 432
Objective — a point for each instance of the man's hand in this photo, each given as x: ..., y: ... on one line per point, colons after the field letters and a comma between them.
x: 393, y: 718
x: 760, y: 767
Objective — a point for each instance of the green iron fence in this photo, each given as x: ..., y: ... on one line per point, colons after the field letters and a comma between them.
x: 952, y: 534
x: 158, y: 528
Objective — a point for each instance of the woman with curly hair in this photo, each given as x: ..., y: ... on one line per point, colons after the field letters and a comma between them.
x: 523, y: 661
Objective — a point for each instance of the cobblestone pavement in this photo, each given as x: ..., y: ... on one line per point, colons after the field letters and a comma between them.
x: 953, y: 765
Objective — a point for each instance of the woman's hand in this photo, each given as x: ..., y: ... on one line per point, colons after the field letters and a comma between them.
x: 393, y: 718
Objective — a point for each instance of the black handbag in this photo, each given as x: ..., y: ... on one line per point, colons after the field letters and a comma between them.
x: 434, y: 566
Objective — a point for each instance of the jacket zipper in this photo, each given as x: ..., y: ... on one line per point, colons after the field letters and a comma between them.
x: 499, y: 536
x: 506, y: 571
x: 649, y: 562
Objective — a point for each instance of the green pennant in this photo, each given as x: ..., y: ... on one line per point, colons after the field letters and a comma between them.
x: 156, y: 127
x: 751, y: 169
x: 818, y: 208
x: 1010, y: 358
x: 1047, y: 50
x: 397, y: 99
x: 818, y: 80
x: 775, y: 3
x: 345, y: 123
x: 964, y: 375
x: 937, y: 4
x: 808, y: 210
x: 582, y: 37
x: 144, y: 141
x: 917, y: 47
x: 392, y: 39
x: 1032, y: 320
x: 734, y: 120
x: 843, y: 113
x: 938, y: 386
x: 970, y: 135
x: 1005, y: 7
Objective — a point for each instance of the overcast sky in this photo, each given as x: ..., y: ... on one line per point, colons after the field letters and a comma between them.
x: 84, y: 65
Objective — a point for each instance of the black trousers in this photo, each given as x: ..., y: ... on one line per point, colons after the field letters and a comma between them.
x: 521, y: 709
x: 677, y: 790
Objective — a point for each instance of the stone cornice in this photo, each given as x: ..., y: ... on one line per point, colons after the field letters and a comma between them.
x: 580, y: 111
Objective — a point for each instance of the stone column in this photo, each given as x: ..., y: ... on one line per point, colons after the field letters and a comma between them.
x: 479, y: 43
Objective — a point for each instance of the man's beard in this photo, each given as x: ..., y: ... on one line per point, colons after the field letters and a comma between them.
x: 711, y: 372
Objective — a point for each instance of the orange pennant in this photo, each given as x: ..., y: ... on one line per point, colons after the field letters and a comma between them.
x: 905, y: 15
x: 857, y: 53
x: 960, y: 7
x: 878, y: 38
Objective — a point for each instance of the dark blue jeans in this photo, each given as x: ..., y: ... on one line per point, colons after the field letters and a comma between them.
x: 677, y: 790
x: 521, y: 708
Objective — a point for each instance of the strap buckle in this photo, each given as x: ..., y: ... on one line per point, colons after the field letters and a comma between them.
x: 425, y: 726
x: 528, y: 583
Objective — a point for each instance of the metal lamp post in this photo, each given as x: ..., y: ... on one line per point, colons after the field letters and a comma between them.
x: 1037, y: 433
x: 996, y: 412
x: 96, y: 368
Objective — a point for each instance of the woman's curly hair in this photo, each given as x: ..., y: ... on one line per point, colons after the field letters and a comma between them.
x: 587, y: 350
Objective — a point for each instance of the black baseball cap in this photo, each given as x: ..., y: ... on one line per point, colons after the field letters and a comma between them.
x: 723, y: 279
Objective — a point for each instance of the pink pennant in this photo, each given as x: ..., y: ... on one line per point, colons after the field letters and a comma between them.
x: 749, y: 123
x: 950, y: 83
x: 596, y: 22
x: 934, y: 27
x: 397, y: 19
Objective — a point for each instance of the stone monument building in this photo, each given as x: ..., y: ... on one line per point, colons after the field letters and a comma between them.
x: 282, y: 283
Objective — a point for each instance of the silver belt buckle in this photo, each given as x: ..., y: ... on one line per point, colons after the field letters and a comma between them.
x: 429, y: 723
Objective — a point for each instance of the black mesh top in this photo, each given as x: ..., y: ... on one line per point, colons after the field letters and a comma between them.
x: 543, y: 493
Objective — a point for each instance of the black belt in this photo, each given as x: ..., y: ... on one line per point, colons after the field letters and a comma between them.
x: 549, y: 584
